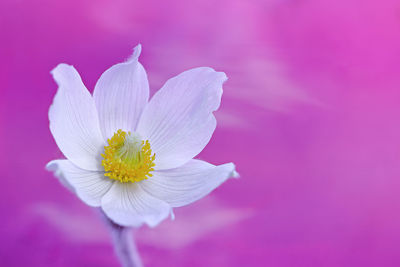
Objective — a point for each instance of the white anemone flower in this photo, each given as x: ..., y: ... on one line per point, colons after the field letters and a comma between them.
x: 130, y: 156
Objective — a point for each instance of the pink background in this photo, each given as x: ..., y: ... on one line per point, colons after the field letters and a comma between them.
x: 310, y: 116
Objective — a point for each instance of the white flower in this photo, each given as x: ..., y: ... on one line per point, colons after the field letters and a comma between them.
x: 130, y: 156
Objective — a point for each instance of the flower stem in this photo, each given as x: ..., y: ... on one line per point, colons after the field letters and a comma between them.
x: 124, y: 245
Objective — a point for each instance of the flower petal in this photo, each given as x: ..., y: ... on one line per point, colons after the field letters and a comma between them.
x: 128, y: 204
x: 74, y: 121
x: 188, y: 183
x: 178, y: 120
x: 90, y: 186
x: 120, y: 94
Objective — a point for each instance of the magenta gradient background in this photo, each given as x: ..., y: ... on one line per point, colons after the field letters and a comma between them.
x: 310, y: 116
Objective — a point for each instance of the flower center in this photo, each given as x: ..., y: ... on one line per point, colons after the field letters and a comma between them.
x: 127, y: 158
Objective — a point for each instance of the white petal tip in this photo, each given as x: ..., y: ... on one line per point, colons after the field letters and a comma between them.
x: 61, y: 72
x: 224, y: 78
x: 53, y: 167
x: 49, y: 166
x: 136, y: 53
x: 60, y: 67
x: 235, y: 174
x: 220, y: 75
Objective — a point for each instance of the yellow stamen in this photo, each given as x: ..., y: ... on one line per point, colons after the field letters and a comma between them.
x: 127, y: 158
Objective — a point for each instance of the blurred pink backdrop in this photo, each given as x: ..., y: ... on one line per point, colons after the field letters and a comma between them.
x: 309, y: 115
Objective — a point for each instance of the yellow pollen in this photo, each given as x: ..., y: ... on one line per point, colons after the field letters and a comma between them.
x: 127, y: 158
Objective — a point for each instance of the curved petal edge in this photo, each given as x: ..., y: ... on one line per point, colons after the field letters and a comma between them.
x: 188, y: 183
x: 89, y: 186
x: 74, y: 121
x: 127, y: 204
x: 120, y: 94
x: 178, y: 121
